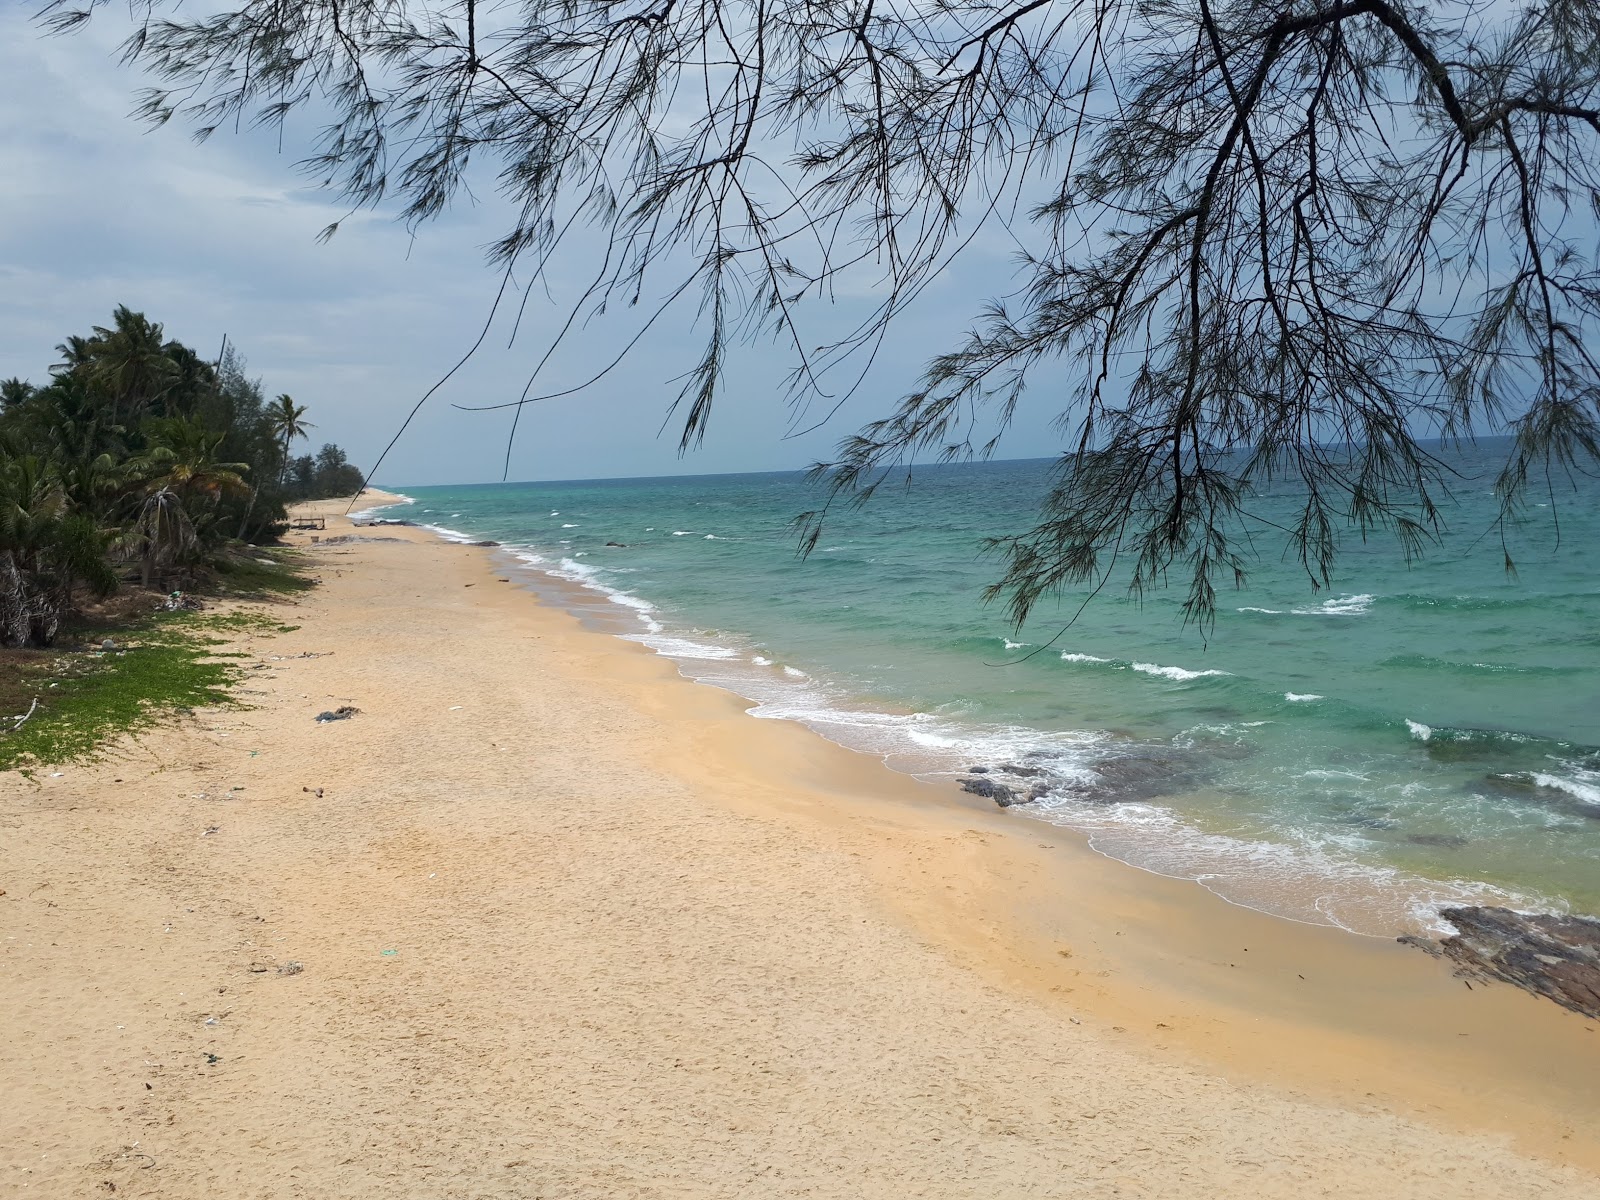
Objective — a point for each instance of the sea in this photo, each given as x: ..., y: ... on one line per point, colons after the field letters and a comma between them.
x: 1417, y: 736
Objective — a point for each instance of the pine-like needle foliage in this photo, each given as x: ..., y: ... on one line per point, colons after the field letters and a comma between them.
x: 1266, y: 239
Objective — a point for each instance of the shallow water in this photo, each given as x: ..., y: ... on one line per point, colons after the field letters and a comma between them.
x: 1420, y: 736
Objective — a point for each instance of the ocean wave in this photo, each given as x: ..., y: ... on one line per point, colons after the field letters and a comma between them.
x: 1301, y: 697
x: 1418, y: 730
x: 1177, y: 674
x: 568, y: 525
x: 681, y: 647
x: 1308, y: 877
x: 1010, y: 645
x: 451, y: 535
x: 1587, y: 793
x: 1276, y: 612
x: 1428, y: 662
x: 683, y: 533
x: 1338, y: 606
x: 1072, y: 657
x: 398, y: 500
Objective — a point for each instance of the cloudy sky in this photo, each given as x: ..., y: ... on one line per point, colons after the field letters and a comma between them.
x: 96, y: 210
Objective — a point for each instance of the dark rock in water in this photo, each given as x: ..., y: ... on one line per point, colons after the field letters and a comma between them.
x: 343, y: 713
x: 990, y: 790
x: 1022, y: 772
x: 483, y: 543
x: 1450, y: 841
x: 1525, y: 786
x: 1129, y: 777
x: 977, y: 770
x: 385, y: 522
x: 1555, y: 957
x: 1361, y: 820
x: 618, y: 545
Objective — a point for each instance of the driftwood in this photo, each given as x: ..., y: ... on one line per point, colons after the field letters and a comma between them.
x: 23, y: 719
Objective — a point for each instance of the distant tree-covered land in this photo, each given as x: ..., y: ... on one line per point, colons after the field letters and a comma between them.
x: 140, y: 461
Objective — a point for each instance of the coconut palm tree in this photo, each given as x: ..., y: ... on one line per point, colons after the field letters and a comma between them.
x: 130, y: 361
x: 287, y: 421
x: 180, y: 481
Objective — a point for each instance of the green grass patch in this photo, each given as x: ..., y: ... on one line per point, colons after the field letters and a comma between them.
x: 163, y: 664
x: 261, y: 572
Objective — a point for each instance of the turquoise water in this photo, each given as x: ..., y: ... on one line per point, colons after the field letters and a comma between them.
x: 1416, y: 737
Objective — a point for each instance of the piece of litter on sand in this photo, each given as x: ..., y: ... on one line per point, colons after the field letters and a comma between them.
x: 455, y: 707
x: 317, y: 792
x: 291, y: 968
x: 388, y: 953
x: 210, y: 829
x: 343, y: 713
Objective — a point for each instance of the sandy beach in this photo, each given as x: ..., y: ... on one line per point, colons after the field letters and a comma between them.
x: 543, y: 919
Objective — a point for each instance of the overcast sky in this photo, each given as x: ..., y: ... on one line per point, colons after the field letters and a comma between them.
x: 96, y: 210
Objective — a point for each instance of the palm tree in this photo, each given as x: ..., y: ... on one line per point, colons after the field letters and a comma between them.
x: 46, y: 549
x: 285, y: 419
x: 131, y: 362
x: 180, y: 478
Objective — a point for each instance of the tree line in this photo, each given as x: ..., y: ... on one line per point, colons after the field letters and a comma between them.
x: 140, y: 460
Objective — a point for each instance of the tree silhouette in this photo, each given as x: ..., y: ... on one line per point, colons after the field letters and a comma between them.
x: 1261, y: 239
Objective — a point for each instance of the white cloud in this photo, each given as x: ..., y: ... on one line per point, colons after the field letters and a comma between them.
x: 219, y: 238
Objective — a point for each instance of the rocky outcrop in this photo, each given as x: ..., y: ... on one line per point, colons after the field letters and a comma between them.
x: 1551, y: 956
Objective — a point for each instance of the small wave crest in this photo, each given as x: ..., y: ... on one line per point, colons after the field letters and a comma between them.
x: 1301, y: 697
x: 1176, y: 674
x: 398, y: 500
x: 1586, y: 793
x: 1338, y: 606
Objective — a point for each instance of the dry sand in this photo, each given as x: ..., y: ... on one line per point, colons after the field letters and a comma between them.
x: 569, y: 926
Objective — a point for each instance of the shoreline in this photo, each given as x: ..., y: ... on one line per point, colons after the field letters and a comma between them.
x: 644, y: 944
x: 1186, y: 931
x: 1299, y: 870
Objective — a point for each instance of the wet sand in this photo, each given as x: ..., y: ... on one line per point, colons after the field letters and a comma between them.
x: 569, y: 925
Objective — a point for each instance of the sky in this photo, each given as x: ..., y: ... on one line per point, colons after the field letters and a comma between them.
x: 219, y: 240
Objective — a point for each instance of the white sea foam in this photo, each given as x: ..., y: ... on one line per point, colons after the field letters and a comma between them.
x: 1010, y: 645
x: 1272, y: 611
x: 568, y: 525
x: 679, y: 647
x: 1339, y: 606
x: 1068, y: 656
x: 451, y: 535
x: 759, y: 661
x: 1178, y: 674
x: 794, y: 673
x: 1418, y: 730
x: 1306, y: 877
x: 683, y: 533
x: 398, y: 500
x: 1301, y: 697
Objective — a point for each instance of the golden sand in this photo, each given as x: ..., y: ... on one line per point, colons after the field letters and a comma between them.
x: 562, y: 924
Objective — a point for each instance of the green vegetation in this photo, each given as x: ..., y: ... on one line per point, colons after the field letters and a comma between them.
x: 141, y: 460
x: 162, y: 664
